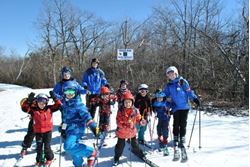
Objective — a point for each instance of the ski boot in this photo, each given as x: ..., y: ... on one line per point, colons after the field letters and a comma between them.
x: 48, y: 163
x: 38, y: 164
x: 165, y: 151
x: 23, y: 152
x: 176, y: 155
x: 184, y: 157
x: 91, y: 159
x: 115, y: 163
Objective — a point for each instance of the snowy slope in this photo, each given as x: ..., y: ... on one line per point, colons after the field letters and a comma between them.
x: 225, y: 139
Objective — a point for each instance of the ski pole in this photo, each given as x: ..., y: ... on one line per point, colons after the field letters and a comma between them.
x: 60, y: 151
x: 192, y: 129
x: 199, y: 127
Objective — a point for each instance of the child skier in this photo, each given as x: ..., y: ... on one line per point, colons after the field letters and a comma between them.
x: 28, y: 139
x: 123, y: 88
x: 105, y: 100
x: 179, y: 91
x: 161, y: 111
x: 126, y: 119
x: 75, y: 119
x: 142, y: 102
x: 42, y: 124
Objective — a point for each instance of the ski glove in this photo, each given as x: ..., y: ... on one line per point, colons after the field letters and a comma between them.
x: 52, y: 95
x: 30, y: 97
x: 63, y: 132
x: 197, y: 102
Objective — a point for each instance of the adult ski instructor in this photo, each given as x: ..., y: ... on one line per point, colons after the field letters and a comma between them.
x: 93, y: 79
x: 179, y: 91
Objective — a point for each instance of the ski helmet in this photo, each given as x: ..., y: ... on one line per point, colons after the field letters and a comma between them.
x: 105, y: 90
x: 42, y: 97
x: 160, y: 94
x: 143, y: 86
x: 172, y: 69
x: 128, y: 96
x: 69, y: 87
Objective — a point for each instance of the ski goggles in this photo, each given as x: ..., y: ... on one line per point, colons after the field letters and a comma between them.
x: 42, y: 100
x: 70, y: 92
x: 143, y: 90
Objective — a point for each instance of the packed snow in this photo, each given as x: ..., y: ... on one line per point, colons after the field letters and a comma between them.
x: 224, y: 139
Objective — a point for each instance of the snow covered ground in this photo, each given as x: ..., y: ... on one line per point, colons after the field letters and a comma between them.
x: 225, y: 139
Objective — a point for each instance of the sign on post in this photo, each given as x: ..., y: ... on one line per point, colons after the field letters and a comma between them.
x: 125, y: 54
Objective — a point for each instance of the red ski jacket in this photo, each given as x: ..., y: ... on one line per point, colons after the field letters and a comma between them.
x: 105, y: 104
x: 126, y: 120
x: 42, y: 118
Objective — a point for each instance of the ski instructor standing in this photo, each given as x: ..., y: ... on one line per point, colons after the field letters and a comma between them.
x: 93, y: 79
x: 179, y: 91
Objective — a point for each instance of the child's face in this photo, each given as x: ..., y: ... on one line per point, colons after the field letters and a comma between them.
x: 123, y: 86
x: 159, y: 99
x: 105, y: 96
x: 41, y: 105
x: 66, y: 75
x: 128, y: 103
x: 171, y: 75
x: 143, y: 92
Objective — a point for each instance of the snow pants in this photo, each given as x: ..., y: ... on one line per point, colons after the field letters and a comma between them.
x: 104, y: 122
x: 121, y: 144
x: 77, y: 150
x: 44, y: 140
x: 141, y: 131
x: 29, y: 137
x: 162, y: 128
x: 179, y: 127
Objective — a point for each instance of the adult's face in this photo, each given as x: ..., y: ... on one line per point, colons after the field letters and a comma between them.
x: 94, y: 64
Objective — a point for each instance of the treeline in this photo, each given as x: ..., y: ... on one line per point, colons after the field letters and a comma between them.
x: 209, y: 49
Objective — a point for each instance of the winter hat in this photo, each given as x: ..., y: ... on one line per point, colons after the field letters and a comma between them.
x: 95, y: 60
x: 172, y: 68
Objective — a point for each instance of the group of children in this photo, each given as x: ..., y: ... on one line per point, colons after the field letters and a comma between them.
x: 132, y: 118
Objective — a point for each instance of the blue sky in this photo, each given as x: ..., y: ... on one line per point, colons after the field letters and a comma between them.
x: 17, y: 17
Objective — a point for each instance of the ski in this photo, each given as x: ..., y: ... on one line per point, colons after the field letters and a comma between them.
x: 146, y: 145
x: 18, y: 162
x: 146, y: 160
x: 150, y: 163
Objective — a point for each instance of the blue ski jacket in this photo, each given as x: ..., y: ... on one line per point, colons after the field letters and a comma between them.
x: 160, y: 109
x: 75, y: 115
x: 180, y: 92
x: 94, y: 79
x: 59, y: 87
